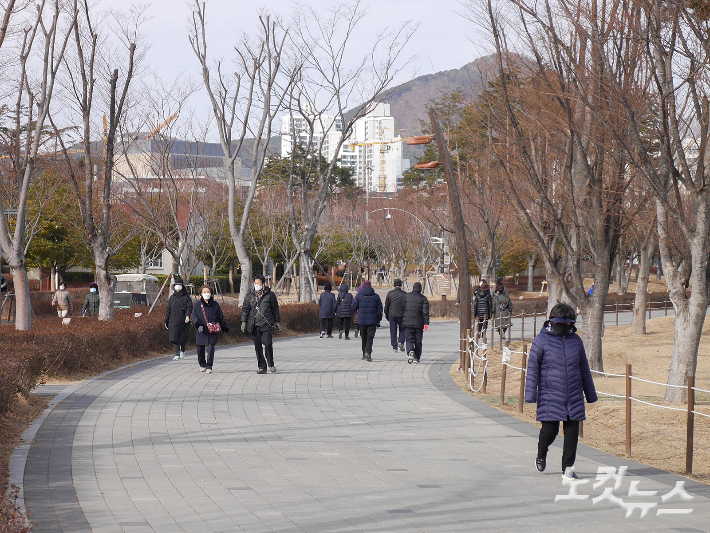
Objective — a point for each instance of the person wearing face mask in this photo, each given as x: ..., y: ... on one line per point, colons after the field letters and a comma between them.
x: 63, y: 301
x: 91, y: 304
x: 177, y: 318
x: 260, y: 315
x: 209, y: 321
x: 558, y: 380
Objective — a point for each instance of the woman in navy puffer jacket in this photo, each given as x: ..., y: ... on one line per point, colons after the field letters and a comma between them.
x: 558, y: 380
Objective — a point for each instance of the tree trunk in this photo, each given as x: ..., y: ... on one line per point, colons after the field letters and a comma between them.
x: 306, y: 290
x: 659, y: 270
x: 531, y: 271
x: 619, y: 275
x: 104, y: 279
x: 53, y: 276
x: 638, y: 324
x: 593, y: 329
x: 21, y: 287
x: 231, y: 276
x: 555, y: 292
x: 688, y: 327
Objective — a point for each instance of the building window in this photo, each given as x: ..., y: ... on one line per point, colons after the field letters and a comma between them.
x: 157, y: 263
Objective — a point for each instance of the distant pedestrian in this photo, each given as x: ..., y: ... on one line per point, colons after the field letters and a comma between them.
x: 558, y: 380
x: 260, y: 316
x: 500, y: 288
x: 369, y: 308
x: 177, y: 318
x: 415, y: 321
x: 92, y: 301
x: 502, y: 309
x: 326, y: 313
x: 344, y: 310
x: 482, y: 309
x: 63, y: 301
x: 394, y: 311
x: 209, y: 322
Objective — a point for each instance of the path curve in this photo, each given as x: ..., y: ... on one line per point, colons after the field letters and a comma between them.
x: 329, y: 443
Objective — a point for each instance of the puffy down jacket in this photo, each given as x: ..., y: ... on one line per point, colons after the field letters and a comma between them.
x: 558, y: 376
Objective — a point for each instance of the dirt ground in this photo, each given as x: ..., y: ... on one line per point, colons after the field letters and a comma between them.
x: 12, y: 425
x: 658, y: 436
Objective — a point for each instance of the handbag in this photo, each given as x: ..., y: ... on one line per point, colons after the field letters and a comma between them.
x: 212, y: 327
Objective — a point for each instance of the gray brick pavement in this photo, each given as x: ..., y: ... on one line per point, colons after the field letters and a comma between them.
x: 329, y: 443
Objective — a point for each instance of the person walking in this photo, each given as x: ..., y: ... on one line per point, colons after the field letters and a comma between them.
x: 415, y: 321
x: 558, y: 380
x: 344, y: 310
x: 356, y: 324
x: 92, y: 301
x: 500, y: 287
x: 502, y: 310
x: 177, y: 318
x: 326, y: 313
x: 482, y: 309
x: 260, y: 315
x: 63, y: 301
x: 369, y: 309
x: 394, y: 311
x: 209, y: 321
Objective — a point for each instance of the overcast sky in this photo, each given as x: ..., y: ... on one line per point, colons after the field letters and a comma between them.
x: 444, y: 40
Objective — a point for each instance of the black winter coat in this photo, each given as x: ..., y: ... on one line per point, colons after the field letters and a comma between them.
x: 558, y: 376
x: 327, y: 305
x: 179, y: 307
x: 483, y: 304
x: 262, y: 311
x: 368, y: 306
x: 416, y: 310
x: 91, y: 304
x: 394, y: 303
x: 203, y: 313
x: 344, y: 303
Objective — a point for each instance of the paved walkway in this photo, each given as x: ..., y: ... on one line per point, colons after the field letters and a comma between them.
x: 329, y: 443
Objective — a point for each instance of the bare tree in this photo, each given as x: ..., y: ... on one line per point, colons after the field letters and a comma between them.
x: 89, y: 70
x: 330, y: 98
x: 43, y: 40
x: 247, y: 101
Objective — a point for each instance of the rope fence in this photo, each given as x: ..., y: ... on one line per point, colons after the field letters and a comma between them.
x: 476, y: 364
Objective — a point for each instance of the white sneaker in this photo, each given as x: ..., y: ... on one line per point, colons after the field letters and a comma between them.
x: 182, y: 355
x: 322, y: 334
x: 411, y: 358
x: 202, y: 369
x: 208, y: 371
x: 176, y: 358
x: 569, y: 473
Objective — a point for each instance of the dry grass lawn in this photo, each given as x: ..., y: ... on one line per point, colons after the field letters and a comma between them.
x: 658, y: 435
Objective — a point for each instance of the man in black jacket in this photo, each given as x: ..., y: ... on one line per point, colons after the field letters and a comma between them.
x: 260, y: 314
x: 394, y: 311
x: 415, y: 321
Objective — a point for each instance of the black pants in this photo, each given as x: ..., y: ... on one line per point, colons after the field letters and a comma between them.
x: 396, y: 339
x: 549, y: 432
x: 263, y: 344
x: 326, y: 324
x: 344, y: 324
x: 179, y: 347
x: 414, y: 341
x: 205, y: 362
x: 368, y: 335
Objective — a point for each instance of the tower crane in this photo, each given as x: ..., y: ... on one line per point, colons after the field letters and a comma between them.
x: 384, y: 144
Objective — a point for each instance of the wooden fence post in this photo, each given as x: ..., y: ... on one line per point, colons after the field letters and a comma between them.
x: 581, y: 429
x: 628, y: 410
x: 521, y: 399
x: 649, y: 309
x: 502, y: 384
x: 535, y: 324
x: 665, y: 305
x: 690, y: 427
x: 522, y: 327
x: 467, y: 352
x: 617, y: 313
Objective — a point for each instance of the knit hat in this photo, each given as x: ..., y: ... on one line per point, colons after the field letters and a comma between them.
x: 93, y: 285
x: 366, y: 283
x: 398, y: 282
x: 177, y: 280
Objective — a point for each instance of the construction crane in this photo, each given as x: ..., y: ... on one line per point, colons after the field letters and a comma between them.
x: 162, y: 126
x: 384, y: 144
